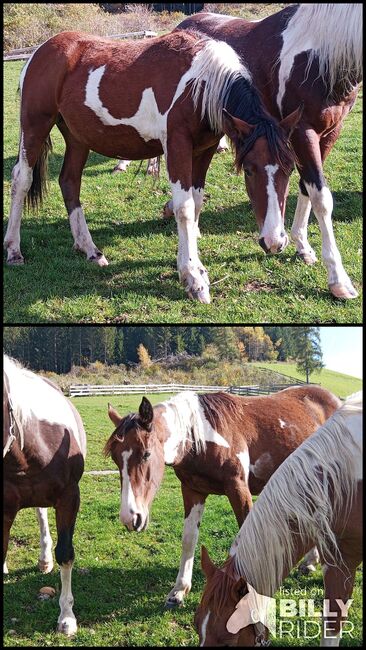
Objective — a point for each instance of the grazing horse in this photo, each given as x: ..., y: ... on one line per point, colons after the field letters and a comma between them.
x: 175, y: 94
x: 309, y: 54
x: 315, y: 497
x: 217, y: 444
x: 44, y: 450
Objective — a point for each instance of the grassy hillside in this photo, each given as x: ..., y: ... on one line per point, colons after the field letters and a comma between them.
x: 340, y: 384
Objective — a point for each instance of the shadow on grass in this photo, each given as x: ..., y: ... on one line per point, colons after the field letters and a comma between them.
x: 124, y: 595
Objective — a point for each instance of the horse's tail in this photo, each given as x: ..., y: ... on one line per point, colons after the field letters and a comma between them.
x: 38, y: 189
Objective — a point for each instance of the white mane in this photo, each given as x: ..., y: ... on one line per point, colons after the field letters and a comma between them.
x: 333, y: 32
x: 19, y: 378
x: 298, y: 496
x: 218, y: 65
x: 184, y: 415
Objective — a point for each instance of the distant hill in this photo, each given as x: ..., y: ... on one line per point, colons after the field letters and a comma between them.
x: 340, y: 384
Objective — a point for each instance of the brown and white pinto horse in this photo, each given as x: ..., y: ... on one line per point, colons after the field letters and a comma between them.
x: 309, y: 54
x: 175, y: 94
x: 217, y: 444
x: 44, y: 449
x: 315, y: 497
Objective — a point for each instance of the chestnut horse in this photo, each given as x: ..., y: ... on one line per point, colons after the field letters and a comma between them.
x: 315, y: 497
x: 217, y: 444
x: 44, y: 447
x: 175, y: 94
x: 309, y: 54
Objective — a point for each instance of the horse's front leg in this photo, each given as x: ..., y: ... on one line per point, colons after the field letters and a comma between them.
x: 338, y: 589
x: 194, y: 504
x: 313, y: 184
x: 45, y: 562
x: 67, y: 508
x: 192, y: 273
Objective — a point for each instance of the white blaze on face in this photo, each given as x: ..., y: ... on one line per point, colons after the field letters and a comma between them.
x: 273, y: 225
x: 204, y: 628
x: 128, y: 502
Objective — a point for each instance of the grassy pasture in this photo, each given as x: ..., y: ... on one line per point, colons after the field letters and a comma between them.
x: 120, y: 580
x: 141, y: 284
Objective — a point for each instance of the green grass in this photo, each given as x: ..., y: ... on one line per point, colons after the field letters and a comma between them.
x: 337, y: 382
x: 121, y: 579
x: 141, y: 284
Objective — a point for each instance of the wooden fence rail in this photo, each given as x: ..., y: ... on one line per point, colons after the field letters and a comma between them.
x: 26, y: 52
x: 79, y: 390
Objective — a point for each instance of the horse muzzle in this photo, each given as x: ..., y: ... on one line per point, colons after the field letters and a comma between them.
x: 138, y: 522
x: 274, y: 245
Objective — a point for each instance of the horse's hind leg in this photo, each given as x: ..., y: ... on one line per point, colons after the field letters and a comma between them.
x: 75, y: 158
x: 45, y: 562
x: 67, y: 508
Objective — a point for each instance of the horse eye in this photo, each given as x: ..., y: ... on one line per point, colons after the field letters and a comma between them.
x: 146, y: 455
x: 247, y: 172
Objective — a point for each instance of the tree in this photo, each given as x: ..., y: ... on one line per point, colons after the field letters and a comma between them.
x: 144, y: 357
x: 308, y: 350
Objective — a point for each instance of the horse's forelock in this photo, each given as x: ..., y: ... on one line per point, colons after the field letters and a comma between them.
x: 127, y: 423
x: 278, y: 144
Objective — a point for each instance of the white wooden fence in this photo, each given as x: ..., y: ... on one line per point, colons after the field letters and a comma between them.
x: 26, y: 52
x: 79, y: 390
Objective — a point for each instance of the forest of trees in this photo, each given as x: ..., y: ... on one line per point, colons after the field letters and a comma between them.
x: 57, y: 349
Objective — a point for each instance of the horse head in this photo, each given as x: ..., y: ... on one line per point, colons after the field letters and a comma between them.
x: 136, y: 449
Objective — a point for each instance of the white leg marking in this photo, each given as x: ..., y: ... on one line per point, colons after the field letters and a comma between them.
x: 198, y: 203
x: 122, y: 165
x: 299, y: 230
x: 82, y: 237
x: 5, y: 568
x: 273, y: 222
x: 22, y: 176
x: 190, y: 536
x: 245, y: 462
x: 45, y: 563
x: 338, y: 280
x: 204, y: 627
x: 223, y: 145
x: 191, y: 272
x: 66, y: 621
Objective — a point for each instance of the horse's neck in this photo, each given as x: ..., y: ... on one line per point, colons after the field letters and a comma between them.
x: 256, y: 561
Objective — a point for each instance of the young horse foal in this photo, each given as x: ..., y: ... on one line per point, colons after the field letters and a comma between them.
x: 217, y: 444
x: 176, y: 95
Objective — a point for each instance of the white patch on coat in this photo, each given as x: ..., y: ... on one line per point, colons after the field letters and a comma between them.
x: 80, y: 232
x: 262, y: 466
x: 185, y: 419
x: 245, y: 462
x: 273, y: 224
x: 34, y: 397
x: 216, y: 64
x: 204, y: 627
x: 282, y: 423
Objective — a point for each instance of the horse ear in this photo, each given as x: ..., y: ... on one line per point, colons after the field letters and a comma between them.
x: 289, y: 123
x: 146, y: 413
x: 207, y: 565
x: 234, y: 127
x: 114, y: 415
x: 239, y: 589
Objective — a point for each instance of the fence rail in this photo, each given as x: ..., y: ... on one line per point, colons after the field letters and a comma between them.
x: 80, y: 390
x: 26, y: 52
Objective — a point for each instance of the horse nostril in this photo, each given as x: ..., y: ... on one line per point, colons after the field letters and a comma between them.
x: 263, y: 245
x: 137, y: 522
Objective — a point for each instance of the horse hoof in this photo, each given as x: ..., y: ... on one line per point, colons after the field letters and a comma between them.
x: 68, y: 626
x: 305, y: 569
x: 45, y: 567
x: 168, y: 210
x: 16, y: 259
x: 347, y: 292
x: 308, y: 258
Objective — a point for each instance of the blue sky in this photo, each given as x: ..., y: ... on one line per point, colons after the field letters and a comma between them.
x: 342, y: 349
